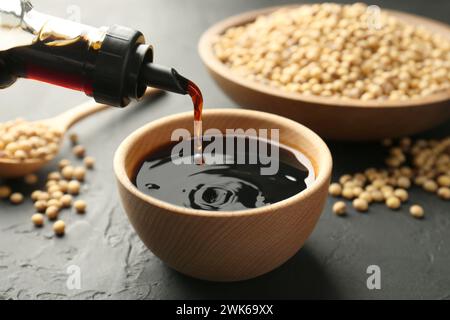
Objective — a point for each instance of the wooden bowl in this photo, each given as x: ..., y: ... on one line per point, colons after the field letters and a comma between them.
x: 223, y: 246
x: 332, y: 118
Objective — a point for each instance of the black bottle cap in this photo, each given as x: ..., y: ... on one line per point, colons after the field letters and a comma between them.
x: 118, y: 66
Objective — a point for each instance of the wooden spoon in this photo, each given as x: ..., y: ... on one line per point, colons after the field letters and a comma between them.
x: 12, y: 168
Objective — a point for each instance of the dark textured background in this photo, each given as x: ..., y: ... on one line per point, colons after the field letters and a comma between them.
x: 414, y: 256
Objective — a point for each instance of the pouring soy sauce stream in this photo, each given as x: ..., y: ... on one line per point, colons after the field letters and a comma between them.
x: 165, y: 79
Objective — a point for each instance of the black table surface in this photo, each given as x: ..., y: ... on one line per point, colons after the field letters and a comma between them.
x: 413, y: 256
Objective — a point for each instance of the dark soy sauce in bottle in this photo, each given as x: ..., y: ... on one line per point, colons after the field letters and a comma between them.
x: 70, y: 66
x: 222, y: 186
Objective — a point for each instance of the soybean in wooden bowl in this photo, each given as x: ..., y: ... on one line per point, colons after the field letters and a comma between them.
x: 332, y: 117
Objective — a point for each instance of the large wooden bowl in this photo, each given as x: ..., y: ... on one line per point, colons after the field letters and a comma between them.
x: 332, y: 118
x: 223, y: 246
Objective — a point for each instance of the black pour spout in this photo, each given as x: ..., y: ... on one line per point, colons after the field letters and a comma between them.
x: 167, y: 79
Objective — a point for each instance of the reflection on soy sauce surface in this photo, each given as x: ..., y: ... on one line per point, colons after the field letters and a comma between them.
x: 222, y: 186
